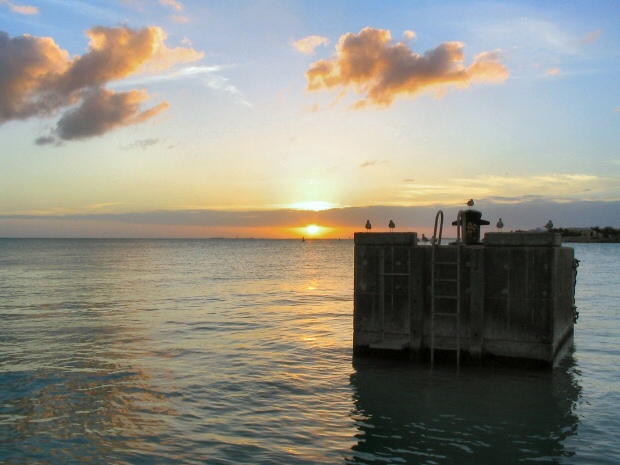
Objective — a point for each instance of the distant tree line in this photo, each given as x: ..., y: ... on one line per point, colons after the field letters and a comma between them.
x: 606, y: 234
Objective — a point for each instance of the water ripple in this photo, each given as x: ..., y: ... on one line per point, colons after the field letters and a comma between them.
x: 239, y: 352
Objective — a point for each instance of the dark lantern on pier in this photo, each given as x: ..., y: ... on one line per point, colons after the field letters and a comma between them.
x: 473, y: 220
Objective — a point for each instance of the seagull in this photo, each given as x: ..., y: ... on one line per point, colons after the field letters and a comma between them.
x: 368, y: 226
x: 549, y: 225
x: 391, y: 225
x: 424, y: 238
x: 500, y: 225
x: 470, y: 203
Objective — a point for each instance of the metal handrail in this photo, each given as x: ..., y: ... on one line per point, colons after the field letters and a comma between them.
x: 436, y: 239
x: 459, y: 220
x: 434, y: 246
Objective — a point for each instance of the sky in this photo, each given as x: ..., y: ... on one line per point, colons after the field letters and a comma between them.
x: 305, y: 118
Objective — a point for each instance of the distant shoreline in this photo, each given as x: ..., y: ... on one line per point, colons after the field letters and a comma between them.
x: 593, y: 240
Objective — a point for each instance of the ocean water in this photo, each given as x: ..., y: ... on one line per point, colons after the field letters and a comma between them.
x: 239, y: 352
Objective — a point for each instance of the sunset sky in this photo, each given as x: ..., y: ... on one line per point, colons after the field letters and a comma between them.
x: 198, y: 118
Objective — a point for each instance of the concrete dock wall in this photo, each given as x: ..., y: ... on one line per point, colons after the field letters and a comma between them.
x: 516, y: 299
x: 385, y: 290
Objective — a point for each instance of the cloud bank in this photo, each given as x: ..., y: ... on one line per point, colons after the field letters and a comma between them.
x: 381, y: 70
x: 39, y: 79
x: 560, y: 188
x: 517, y: 213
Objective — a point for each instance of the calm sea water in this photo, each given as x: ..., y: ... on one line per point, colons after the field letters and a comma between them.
x: 239, y: 352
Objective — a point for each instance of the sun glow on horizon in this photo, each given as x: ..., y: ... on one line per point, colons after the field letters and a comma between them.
x: 314, y: 205
x: 313, y: 229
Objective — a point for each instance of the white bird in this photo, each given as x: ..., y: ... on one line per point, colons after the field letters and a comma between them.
x: 549, y: 225
x: 391, y: 225
x: 368, y: 226
x: 470, y: 203
x: 500, y: 225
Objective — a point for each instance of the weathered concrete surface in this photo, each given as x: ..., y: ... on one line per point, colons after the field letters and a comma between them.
x: 516, y: 296
x: 382, y: 288
x: 390, y: 238
x: 524, y: 239
x: 528, y: 300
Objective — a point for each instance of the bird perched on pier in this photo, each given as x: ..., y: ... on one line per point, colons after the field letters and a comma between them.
x: 470, y: 203
x: 368, y: 226
x: 424, y: 238
x: 500, y: 225
x: 549, y: 225
x: 391, y: 225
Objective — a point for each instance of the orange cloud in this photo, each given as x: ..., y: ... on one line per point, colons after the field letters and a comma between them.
x: 592, y: 37
x: 173, y: 4
x: 38, y: 78
x: 116, y: 53
x: 21, y: 9
x: 177, y: 6
x: 102, y: 110
x: 27, y: 63
x: 381, y: 70
x: 309, y: 44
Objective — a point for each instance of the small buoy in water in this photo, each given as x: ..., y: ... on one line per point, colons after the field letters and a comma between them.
x: 391, y: 225
x: 368, y: 226
x: 500, y: 225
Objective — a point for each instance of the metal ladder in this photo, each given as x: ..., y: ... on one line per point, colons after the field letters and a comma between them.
x: 437, y: 278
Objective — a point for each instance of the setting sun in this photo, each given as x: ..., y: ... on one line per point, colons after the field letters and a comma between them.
x: 313, y: 229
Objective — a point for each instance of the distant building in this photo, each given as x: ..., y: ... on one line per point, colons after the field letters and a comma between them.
x: 586, y: 233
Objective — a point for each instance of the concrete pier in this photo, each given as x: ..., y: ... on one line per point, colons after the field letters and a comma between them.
x: 510, y: 298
